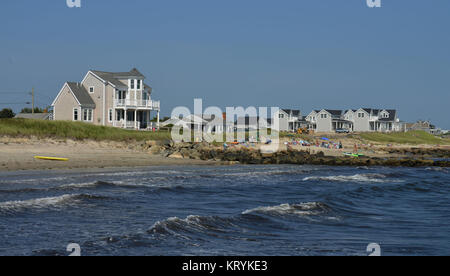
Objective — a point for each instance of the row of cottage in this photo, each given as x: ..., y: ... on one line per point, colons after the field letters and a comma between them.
x: 122, y: 99
x: 353, y: 120
x: 361, y: 120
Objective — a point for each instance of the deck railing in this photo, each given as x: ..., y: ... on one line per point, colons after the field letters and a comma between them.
x: 154, y: 105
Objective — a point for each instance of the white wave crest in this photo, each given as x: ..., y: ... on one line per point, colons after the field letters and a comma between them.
x: 374, y: 177
x: 40, y: 203
x: 303, y: 209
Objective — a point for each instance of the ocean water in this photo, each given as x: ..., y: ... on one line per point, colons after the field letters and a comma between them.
x: 235, y: 210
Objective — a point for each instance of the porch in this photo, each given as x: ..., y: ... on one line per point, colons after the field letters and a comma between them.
x: 134, y: 119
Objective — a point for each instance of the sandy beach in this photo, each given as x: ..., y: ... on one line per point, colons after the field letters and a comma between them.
x: 18, y: 154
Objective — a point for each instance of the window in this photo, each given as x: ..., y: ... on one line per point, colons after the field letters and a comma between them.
x: 87, y: 115
x: 91, y: 89
x: 110, y: 117
x: 132, y: 84
x: 281, y: 116
x: 323, y: 116
x: 139, y: 84
x: 75, y: 114
x: 360, y: 115
x: 120, y: 115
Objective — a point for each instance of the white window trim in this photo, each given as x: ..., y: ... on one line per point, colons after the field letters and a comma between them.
x: 93, y: 89
x: 110, y: 115
x: 138, y: 84
x: 73, y: 114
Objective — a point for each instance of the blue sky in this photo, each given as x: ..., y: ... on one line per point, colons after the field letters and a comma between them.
x: 302, y: 54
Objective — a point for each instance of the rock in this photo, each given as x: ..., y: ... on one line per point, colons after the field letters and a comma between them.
x: 176, y: 155
x: 150, y: 143
x: 156, y: 149
x: 167, y: 143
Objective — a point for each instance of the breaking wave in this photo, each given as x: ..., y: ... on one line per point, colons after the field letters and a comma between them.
x: 369, y: 177
x: 44, y: 203
x: 303, y: 209
x: 212, y: 225
x: 216, y: 225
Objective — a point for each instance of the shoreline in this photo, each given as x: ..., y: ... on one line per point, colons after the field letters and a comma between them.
x: 17, y: 154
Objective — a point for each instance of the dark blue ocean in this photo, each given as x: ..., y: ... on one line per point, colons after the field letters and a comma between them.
x: 235, y: 210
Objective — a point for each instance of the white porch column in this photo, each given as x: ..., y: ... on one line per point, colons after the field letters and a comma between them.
x: 135, y: 118
x: 157, y: 120
x: 125, y: 117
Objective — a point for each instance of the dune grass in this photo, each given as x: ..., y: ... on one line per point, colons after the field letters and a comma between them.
x: 411, y: 137
x: 73, y: 130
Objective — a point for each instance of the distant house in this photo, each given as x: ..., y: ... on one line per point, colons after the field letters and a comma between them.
x: 290, y: 120
x: 218, y: 124
x: 358, y: 120
x: 249, y: 123
x: 208, y: 123
x: 382, y: 120
x: 109, y: 99
x: 35, y: 116
x: 311, y: 118
x: 328, y: 120
x: 424, y: 126
x: 191, y: 122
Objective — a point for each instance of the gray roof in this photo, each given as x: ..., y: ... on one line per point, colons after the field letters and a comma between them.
x: 334, y: 112
x: 372, y: 111
x: 294, y: 112
x: 35, y: 116
x: 392, y: 115
x: 81, y: 94
x: 110, y: 77
x: 113, y: 77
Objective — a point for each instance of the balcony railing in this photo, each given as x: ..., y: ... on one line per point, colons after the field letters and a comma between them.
x: 154, y: 105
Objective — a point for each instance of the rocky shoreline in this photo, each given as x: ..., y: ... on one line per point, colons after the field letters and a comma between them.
x: 242, y: 155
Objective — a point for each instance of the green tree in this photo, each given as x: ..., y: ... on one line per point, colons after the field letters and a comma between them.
x: 29, y: 110
x: 7, y: 113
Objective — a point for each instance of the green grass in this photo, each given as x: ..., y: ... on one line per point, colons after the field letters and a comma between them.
x: 411, y: 137
x: 73, y: 130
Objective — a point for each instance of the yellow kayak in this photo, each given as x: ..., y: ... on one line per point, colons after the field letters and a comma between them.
x: 51, y: 158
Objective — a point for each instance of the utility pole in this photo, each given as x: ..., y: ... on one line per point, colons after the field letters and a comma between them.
x: 32, y: 100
